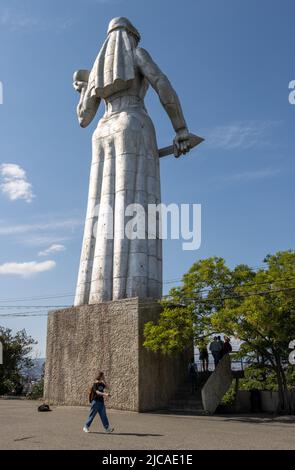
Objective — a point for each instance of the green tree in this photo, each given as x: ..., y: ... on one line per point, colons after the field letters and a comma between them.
x: 16, y: 350
x: 187, y: 311
x: 262, y: 315
x: 256, y: 307
x: 38, y: 388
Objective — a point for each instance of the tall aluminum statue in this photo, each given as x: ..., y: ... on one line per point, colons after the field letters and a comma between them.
x: 125, y: 167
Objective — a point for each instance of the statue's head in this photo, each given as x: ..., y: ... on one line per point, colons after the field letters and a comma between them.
x: 114, y: 67
x: 124, y: 23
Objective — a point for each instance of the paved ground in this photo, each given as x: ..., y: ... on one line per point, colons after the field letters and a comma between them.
x: 22, y: 427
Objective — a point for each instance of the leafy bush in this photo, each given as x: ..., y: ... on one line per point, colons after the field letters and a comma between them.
x: 37, y: 390
x: 230, y: 396
x: 16, y: 356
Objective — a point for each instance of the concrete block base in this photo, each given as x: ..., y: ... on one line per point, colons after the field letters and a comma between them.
x: 81, y: 341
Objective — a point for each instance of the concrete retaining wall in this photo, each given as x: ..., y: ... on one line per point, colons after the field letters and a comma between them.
x: 108, y: 336
x: 217, y: 385
x: 269, y: 401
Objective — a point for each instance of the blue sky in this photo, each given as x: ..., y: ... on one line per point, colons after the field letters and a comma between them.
x: 230, y: 61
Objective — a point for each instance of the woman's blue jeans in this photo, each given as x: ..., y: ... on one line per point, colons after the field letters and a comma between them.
x: 97, y: 407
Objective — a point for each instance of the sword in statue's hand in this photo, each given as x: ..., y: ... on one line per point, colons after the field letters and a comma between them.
x: 194, y: 140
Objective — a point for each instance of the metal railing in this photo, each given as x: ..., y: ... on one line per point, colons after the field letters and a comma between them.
x: 236, y: 364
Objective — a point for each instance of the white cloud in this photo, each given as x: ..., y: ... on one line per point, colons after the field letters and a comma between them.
x: 26, y: 270
x: 15, y: 21
x: 252, y: 175
x: 42, y: 240
x: 14, y: 183
x: 11, y: 170
x: 246, y: 176
x: 105, y: 1
x: 240, y: 135
x: 55, y: 248
x: 66, y: 224
x: 42, y: 233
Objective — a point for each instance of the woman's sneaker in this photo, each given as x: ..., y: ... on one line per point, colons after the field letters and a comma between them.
x: 109, y: 430
x: 85, y: 429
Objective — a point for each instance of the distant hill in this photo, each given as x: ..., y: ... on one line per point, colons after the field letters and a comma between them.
x: 36, y: 371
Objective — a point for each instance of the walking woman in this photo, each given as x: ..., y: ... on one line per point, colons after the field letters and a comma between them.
x: 97, y: 404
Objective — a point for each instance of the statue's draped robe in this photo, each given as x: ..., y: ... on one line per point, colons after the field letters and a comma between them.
x: 124, y: 170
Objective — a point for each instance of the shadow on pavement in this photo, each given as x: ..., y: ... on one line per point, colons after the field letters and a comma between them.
x: 127, y: 434
x: 24, y: 438
x: 179, y: 413
x: 262, y: 419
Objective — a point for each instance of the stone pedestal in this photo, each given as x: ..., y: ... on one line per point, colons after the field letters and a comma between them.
x: 81, y: 341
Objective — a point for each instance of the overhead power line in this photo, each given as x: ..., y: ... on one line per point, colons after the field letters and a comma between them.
x: 283, y: 279
x: 4, y: 307
x: 71, y: 294
x: 237, y: 296
x: 196, y: 300
x: 17, y: 315
x: 26, y: 299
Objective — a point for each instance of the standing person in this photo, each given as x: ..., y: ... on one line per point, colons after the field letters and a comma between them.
x: 215, y: 348
x: 221, y: 347
x: 204, y: 356
x: 227, y: 348
x: 193, y: 375
x: 97, y: 404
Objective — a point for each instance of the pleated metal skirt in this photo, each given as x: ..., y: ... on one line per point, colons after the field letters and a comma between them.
x: 125, y: 170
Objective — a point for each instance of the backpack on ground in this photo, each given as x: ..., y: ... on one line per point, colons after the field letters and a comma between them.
x: 44, y: 407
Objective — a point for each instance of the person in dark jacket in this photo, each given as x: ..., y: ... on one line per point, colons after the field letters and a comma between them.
x: 226, y: 348
x: 215, y: 348
x: 193, y: 375
x: 204, y: 356
x: 221, y: 343
x: 97, y: 404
